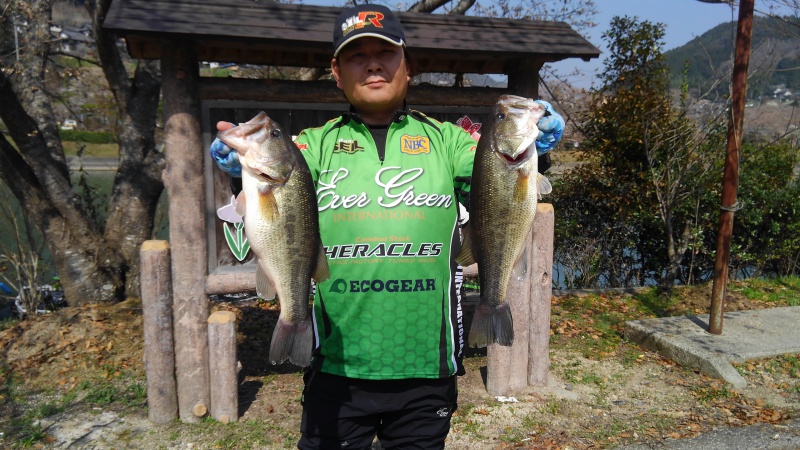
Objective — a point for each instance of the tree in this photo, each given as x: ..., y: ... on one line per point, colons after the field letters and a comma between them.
x: 97, y: 262
x: 648, y: 165
x: 578, y: 13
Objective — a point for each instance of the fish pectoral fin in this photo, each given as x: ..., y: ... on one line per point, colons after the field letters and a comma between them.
x: 267, y: 206
x: 521, y: 187
x: 520, y: 269
x: 241, y: 204
x: 322, y: 271
x: 543, y: 185
x: 264, y: 287
x: 465, y: 258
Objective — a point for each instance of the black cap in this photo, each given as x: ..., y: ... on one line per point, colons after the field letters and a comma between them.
x: 366, y: 20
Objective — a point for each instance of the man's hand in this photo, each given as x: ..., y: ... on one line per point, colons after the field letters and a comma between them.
x: 551, y: 126
x: 226, y: 158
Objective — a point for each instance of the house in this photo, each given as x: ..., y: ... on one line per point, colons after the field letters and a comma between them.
x: 73, y: 39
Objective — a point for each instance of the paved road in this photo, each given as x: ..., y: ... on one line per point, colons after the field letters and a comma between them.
x: 75, y: 163
x: 762, y: 436
x: 746, y: 335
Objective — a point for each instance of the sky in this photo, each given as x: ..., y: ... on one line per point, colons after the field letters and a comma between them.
x: 684, y: 20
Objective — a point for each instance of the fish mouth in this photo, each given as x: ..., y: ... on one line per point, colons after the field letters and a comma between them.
x: 520, y: 158
x: 274, y: 171
x: 254, y: 130
x: 266, y: 178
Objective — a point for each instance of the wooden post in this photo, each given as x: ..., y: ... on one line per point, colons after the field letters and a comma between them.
x: 223, y: 368
x: 523, y: 78
x: 159, y: 356
x: 730, y: 177
x: 185, y: 185
x: 541, y: 295
x: 507, y: 367
x: 527, y: 361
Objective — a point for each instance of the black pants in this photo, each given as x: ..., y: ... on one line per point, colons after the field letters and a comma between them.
x: 347, y: 413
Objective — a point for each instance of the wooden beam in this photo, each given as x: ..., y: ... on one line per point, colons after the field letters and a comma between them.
x: 327, y: 92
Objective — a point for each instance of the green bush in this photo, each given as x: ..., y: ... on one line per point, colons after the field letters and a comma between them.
x: 90, y: 137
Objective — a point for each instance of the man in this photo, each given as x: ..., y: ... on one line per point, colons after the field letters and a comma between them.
x: 388, y: 329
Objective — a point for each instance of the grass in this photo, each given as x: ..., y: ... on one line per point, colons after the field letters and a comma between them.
x: 118, y: 387
x: 27, y: 430
x: 705, y: 394
x: 777, y: 290
x: 594, y: 324
x: 769, y: 367
x: 91, y: 150
x: 591, y: 324
x: 8, y: 323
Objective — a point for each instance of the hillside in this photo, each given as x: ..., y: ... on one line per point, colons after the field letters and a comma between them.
x: 774, y: 61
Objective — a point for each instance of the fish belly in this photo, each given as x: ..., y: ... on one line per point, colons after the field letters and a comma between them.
x: 502, y: 224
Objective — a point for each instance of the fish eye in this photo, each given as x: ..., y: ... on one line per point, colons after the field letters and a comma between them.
x: 501, y: 116
x: 276, y: 133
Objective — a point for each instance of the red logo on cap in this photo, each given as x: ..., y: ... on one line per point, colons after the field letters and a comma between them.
x: 363, y: 19
x: 373, y: 17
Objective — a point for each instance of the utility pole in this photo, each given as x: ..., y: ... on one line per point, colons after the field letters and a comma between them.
x: 730, y: 178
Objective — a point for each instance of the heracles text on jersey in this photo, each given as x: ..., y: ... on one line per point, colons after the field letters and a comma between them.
x: 384, y: 250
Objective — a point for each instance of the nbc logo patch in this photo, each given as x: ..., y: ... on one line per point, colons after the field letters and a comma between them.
x: 415, y: 145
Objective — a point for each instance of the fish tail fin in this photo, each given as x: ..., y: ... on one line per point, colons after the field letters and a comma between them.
x: 491, y: 325
x: 293, y: 342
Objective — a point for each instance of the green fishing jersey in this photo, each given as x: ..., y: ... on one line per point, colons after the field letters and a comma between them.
x: 391, y: 308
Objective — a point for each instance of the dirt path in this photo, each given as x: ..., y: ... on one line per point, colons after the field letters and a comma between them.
x: 75, y: 380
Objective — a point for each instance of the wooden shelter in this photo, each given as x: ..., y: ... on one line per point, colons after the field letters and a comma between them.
x: 184, y: 33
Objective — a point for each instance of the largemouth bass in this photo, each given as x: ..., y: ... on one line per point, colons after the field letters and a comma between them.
x: 281, y: 222
x: 505, y: 188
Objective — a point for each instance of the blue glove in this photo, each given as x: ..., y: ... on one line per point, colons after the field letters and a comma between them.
x: 551, y: 127
x: 226, y: 158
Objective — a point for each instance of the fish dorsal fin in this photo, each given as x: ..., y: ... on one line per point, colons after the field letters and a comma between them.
x: 264, y: 287
x: 520, y: 269
x: 322, y: 272
x: 465, y: 258
x: 543, y: 185
x: 241, y: 205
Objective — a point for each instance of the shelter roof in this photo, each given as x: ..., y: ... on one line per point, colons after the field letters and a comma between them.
x: 261, y: 32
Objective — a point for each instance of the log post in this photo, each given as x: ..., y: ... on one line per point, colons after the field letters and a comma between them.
x: 527, y: 361
x: 507, y: 367
x: 541, y: 295
x: 183, y: 179
x: 159, y: 356
x: 222, y: 363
